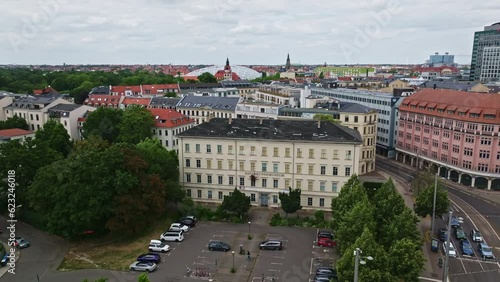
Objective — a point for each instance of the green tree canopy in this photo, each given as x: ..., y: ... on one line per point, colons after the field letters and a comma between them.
x: 55, y: 136
x: 388, y: 203
x: 290, y: 202
x: 407, y: 260
x: 326, y: 117
x: 14, y: 122
x: 425, y: 200
x: 135, y: 125
x: 237, y: 203
x: 207, y: 77
x: 351, y: 193
x: 104, y: 123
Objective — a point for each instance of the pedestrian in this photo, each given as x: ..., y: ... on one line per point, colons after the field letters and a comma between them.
x: 248, y: 254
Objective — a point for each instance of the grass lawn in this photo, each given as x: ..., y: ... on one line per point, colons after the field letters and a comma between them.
x: 110, y: 252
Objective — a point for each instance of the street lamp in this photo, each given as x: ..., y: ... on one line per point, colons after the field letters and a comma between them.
x: 358, y: 261
x: 233, y: 259
x: 434, y: 204
x: 249, y: 228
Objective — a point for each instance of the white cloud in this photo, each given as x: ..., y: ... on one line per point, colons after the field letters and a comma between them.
x: 248, y: 31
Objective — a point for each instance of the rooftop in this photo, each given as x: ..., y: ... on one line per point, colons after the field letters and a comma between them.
x: 347, y: 91
x: 136, y: 101
x: 164, y: 101
x: 14, y: 132
x: 169, y: 118
x: 217, y: 103
x: 64, y: 107
x: 348, y: 107
x: 266, y: 129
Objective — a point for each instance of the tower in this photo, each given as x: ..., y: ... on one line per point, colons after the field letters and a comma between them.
x: 288, y: 66
x: 227, y: 71
x: 487, y: 39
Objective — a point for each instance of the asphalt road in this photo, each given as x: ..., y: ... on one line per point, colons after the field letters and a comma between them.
x: 478, y: 213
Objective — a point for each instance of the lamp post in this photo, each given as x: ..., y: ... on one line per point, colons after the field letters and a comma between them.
x: 249, y: 223
x: 233, y: 259
x: 358, y: 261
x: 434, y: 204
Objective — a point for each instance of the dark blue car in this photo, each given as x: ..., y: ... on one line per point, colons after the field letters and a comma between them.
x: 466, y: 248
x: 149, y: 258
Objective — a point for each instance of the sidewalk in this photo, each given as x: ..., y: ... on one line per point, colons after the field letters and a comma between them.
x: 431, y: 268
x: 4, y: 269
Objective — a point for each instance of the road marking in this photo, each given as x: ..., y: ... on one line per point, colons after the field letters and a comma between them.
x: 202, y: 257
x: 277, y: 263
x: 44, y: 273
x: 228, y: 231
x: 194, y: 263
x: 430, y: 279
x: 274, y: 270
x: 218, y: 235
x: 279, y: 257
x: 463, y: 265
x: 311, y: 268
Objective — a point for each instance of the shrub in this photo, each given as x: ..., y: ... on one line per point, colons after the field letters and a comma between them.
x: 319, y: 216
x: 276, y: 220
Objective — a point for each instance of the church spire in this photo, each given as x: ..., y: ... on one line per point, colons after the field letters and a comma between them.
x: 288, y: 66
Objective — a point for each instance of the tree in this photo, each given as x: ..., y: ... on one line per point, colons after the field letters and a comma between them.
x: 290, y: 202
x: 388, y: 203
x: 407, y: 260
x: 135, y: 125
x: 14, y: 122
x: 143, y: 278
x: 207, y: 77
x: 104, y: 123
x: 55, y: 136
x: 402, y: 226
x: 423, y: 179
x: 82, y: 92
x: 351, y: 193
x: 321, y: 75
x: 237, y: 203
x: 326, y: 117
x: 425, y: 200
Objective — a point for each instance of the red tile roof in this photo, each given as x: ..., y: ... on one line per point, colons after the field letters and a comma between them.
x: 345, y: 78
x: 136, y: 101
x: 14, y: 132
x: 193, y: 77
x: 436, y: 69
x: 102, y: 99
x: 456, y: 101
x: 120, y: 90
x: 219, y: 75
x: 169, y: 118
x: 158, y: 88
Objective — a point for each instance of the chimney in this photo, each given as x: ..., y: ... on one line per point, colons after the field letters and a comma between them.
x: 260, y: 121
x: 319, y: 123
x: 435, y: 86
x: 230, y: 120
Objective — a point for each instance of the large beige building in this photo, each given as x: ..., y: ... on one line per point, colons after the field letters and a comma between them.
x: 262, y: 157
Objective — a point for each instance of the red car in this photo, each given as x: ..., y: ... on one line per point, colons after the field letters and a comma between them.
x: 326, y: 242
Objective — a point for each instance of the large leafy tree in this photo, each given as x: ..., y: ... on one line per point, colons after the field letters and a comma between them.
x: 55, y: 136
x: 402, y: 226
x: 351, y: 193
x: 207, y: 77
x: 135, y: 125
x: 237, y: 203
x: 14, y: 122
x: 104, y: 123
x: 388, y: 203
x: 425, y: 200
x: 422, y: 180
x: 290, y: 202
x: 407, y: 260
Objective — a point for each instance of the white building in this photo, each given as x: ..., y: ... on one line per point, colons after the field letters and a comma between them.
x: 257, y: 109
x: 490, y: 69
x: 68, y: 115
x: 200, y: 108
x: 265, y: 157
x: 169, y: 123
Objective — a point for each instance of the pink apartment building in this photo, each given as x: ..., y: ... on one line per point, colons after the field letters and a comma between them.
x: 456, y: 131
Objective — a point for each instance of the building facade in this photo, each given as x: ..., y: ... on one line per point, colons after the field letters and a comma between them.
x: 7, y: 135
x: 438, y: 60
x: 456, y: 131
x: 490, y: 69
x: 332, y: 71
x: 169, y: 123
x: 202, y: 108
x: 265, y: 157
x: 489, y: 37
x: 68, y: 115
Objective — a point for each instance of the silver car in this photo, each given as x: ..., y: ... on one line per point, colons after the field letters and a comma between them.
x: 143, y: 266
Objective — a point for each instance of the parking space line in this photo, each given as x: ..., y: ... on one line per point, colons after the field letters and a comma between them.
x: 274, y: 270
x: 277, y: 263
x: 194, y: 263
x: 279, y: 257
x: 228, y: 231
x: 311, y: 268
x: 202, y: 257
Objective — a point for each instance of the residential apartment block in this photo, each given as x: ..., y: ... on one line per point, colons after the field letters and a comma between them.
x: 68, y: 115
x: 201, y: 108
x: 168, y: 124
x: 454, y: 130
x: 489, y: 37
x: 263, y: 157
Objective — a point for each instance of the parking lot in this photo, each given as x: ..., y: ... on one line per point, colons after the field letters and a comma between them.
x: 297, y: 261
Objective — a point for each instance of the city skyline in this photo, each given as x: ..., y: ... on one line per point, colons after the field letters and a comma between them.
x: 248, y: 32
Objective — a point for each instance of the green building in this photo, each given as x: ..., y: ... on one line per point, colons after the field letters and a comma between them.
x: 332, y: 71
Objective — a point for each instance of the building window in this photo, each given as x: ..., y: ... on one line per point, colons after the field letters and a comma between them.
x: 264, y: 183
x: 482, y: 167
x: 346, y: 118
x: 484, y: 127
x: 456, y: 149
x: 209, y: 179
x: 335, y: 170
x: 219, y: 164
x: 188, y: 177
x: 241, y: 150
x: 275, y: 183
x: 299, y: 169
x: 310, y: 185
x: 264, y: 151
x: 287, y: 168
x: 335, y: 154
x: 221, y: 195
x: 468, y: 152
x: 444, y: 145
x: 287, y: 152
x: 275, y: 152
x: 348, y: 155
x: 435, y: 143
x: 322, y: 186
x: 311, y: 169
x: 188, y: 193
x: 456, y: 136
x: 198, y: 163
x: 275, y: 167
x: 298, y: 184
x: 230, y: 150
x: 311, y: 153
x: 188, y: 163
x: 467, y: 164
x: 299, y: 153
x: 321, y: 202
x: 323, y: 170
x: 347, y: 171
x: 219, y: 149
x: 186, y: 148
x: 309, y: 201
x: 287, y: 183
x: 209, y: 148
x: 355, y: 118
x: 275, y: 199
x: 231, y: 180
x: 264, y: 166
x: 199, y: 193
x: 242, y: 165
x: 198, y: 178
x: 230, y: 164
x: 209, y: 164
x: 483, y: 154
x: 485, y: 141
x: 220, y: 179
x: 252, y: 150
x: 209, y: 194
x: 252, y: 166
x: 242, y: 181
x: 252, y: 197
x: 197, y: 148
x: 335, y: 186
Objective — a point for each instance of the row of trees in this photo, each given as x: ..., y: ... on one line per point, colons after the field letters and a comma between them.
x: 382, y: 227
x: 14, y: 122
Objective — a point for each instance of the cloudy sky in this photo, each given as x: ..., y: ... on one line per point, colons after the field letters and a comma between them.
x: 248, y: 31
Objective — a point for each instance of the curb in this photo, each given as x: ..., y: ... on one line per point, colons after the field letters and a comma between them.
x: 4, y: 270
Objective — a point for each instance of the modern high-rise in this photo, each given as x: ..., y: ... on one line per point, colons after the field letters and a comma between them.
x: 489, y: 37
x: 490, y: 70
x: 438, y: 60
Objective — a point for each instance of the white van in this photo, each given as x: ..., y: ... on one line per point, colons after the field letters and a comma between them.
x: 172, y: 236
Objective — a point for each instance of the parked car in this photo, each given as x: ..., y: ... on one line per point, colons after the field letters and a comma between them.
x: 271, y: 245
x: 149, y: 257
x: 325, y: 234
x: 190, y: 222
x: 327, y: 272
x: 158, y: 246
x: 192, y: 217
x: 476, y: 236
x: 143, y: 266
x: 455, y: 222
x: 218, y: 246
x: 485, y: 251
x: 460, y: 234
x: 172, y: 236
x: 466, y: 248
x: 21, y: 243
x: 179, y: 227
x: 326, y: 242
x: 452, y: 251
x: 443, y: 234
x: 321, y: 279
